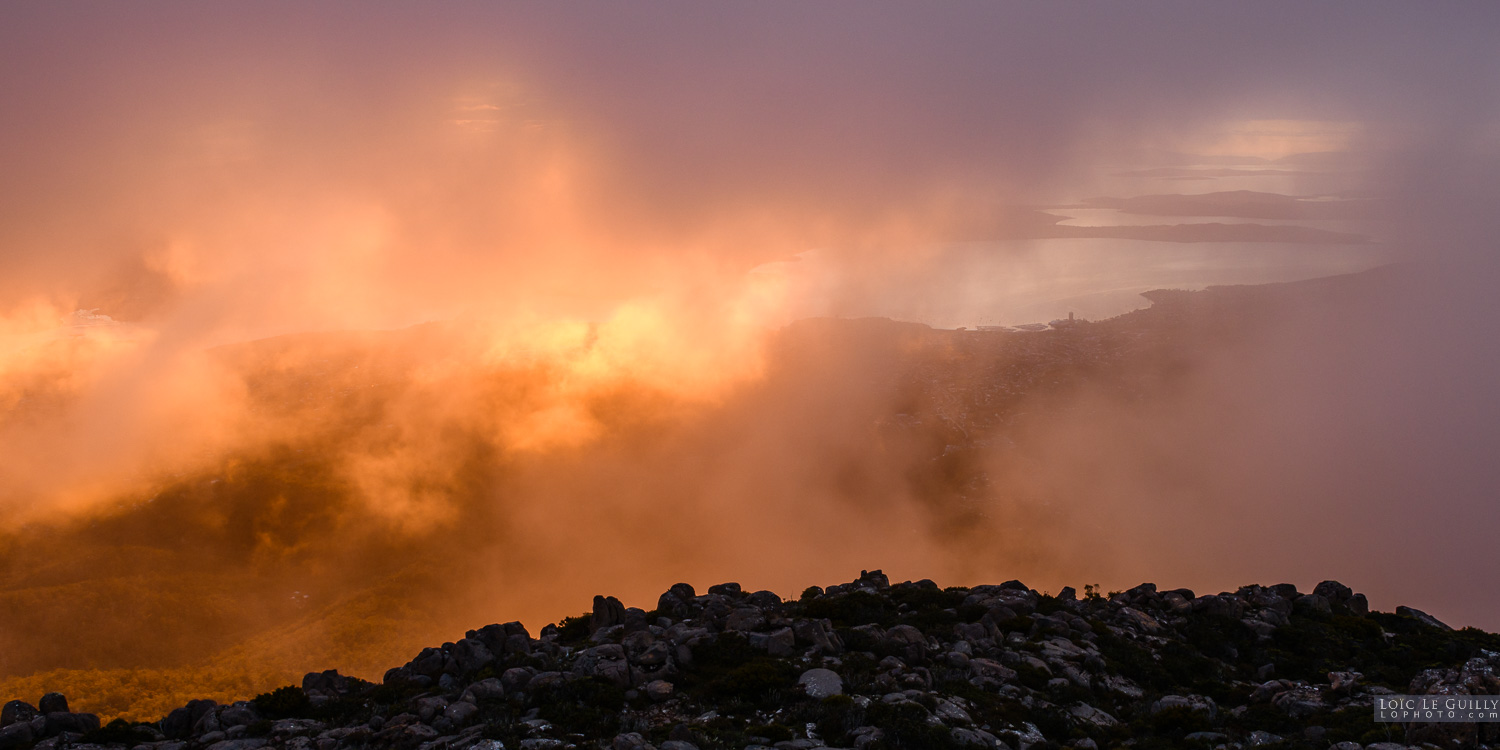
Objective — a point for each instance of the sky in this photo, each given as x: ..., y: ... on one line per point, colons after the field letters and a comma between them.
x: 630, y: 199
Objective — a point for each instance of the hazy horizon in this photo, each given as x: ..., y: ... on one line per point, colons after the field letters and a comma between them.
x: 627, y: 207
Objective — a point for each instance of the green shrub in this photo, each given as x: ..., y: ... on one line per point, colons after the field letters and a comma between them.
x: 906, y: 728
x: 849, y: 610
x: 590, y: 707
x: 575, y: 629
x: 288, y: 702
x: 730, y: 668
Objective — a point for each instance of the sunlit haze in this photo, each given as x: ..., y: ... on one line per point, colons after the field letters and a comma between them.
x: 331, y: 330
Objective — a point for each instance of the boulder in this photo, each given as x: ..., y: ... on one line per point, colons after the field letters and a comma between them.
x: 677, y: 600
x: 991, y: 669
x: 1198, y: 703
x: 58, y: 722
x: 1422, y: 617
x: 1313, y: 603
x: 778, y: 642
x: 429, y: 663
x: 1092, y: 716
x: 180, y: 722
x: 1358, y: 604
x: 764, y: 599
x: 515, y: 678
x: 1343, y: 683
x: 745, y: 619
x: 471, y: 655
x: 16, y: 735
x: 460, y: 713
x: 239, y: 714
x: 821, y: 683
x: 969, y: 737
x: 1300, y: 702
x: 818, y: 634
x: 608, y: 612
x: 658, y: 690
x: 629, y: 741
x: 17, y: 712
x: 1333, y: 591
x: 730, y: 589
x: 1285, y: 590
x: 328, y: 682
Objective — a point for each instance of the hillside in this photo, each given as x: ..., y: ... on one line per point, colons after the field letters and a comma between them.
x: 229, y: 580
x: 867, y: 665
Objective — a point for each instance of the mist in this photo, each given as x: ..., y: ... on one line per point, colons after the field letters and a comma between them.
x: 390, y: 322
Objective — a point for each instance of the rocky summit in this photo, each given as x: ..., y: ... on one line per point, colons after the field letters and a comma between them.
x: 867, y: 665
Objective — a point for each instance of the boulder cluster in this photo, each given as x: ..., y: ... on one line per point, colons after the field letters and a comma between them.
x: 867, y: 665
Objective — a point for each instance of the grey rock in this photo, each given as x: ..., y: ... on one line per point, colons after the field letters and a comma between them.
x: 544, y: 680
x: 488, y: 689
x: 906, y: 634
x: 745, y: 619
x: 659, y: 690
x: 1029, y: 736
x: 974, y: 737
x: 1095, y: 716
x: 329, y: 682
x: 1212, y: 737
x: 1344, y: 682
x: 17, y: 711
x: 249, y: 743
x: 516, y: 678
x: 239, y: 714
x: 291, y: 727
x: 678, y: 745
x: 991, y: 669
x: 764, y: 599
x: 628, y: 741
x: 1315, y: 603
x: 1422, y: 617
x: 428, y: 708
x: 1199, y: 703
x: 1137, y: 620
x: 1300, y: 702
x: 471, y: 655
x: 608, y: 612
x: 15, y: 735
x: 779, y: 642
x: 821, y: 683
x: 1260, y: 737
x: 53, y: 703
x: 797, y: 744
x: 818, y: 634
x: 460, y: 713
x: 58, y: 722
x: 729, y: 589
x: 951, y: 713
x: 1333, y: 591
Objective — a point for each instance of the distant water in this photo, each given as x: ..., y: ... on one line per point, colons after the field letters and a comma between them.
x: 1029, y: 281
